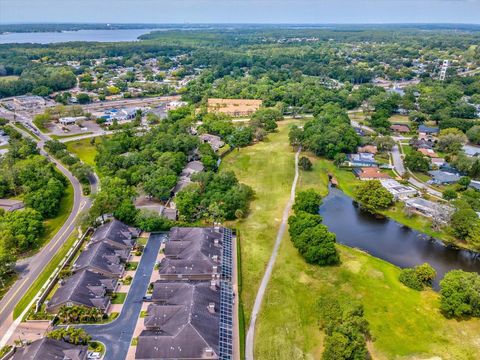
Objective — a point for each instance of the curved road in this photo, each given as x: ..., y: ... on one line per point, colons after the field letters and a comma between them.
x: 249, y: 345
x: 31, y: 268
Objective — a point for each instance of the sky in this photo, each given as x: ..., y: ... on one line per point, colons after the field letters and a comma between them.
x: 241, y: 11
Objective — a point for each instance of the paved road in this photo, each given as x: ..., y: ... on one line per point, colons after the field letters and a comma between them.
x: 249, y: 346
x: 117, y: 335
x: 397, y: 160
x: 400, y: 169
x: 31, y: 268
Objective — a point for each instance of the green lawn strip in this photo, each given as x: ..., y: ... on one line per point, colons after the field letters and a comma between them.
x: 131, y: 265
x: 119, y: 297
x: 43, y: 277
x: 84, y: 150
x: 268, y: 168
x: 70, y: 135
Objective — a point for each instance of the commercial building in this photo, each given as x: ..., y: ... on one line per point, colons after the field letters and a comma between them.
x: 399, y: 191
x: 234, y: 107
x: 71, y: 120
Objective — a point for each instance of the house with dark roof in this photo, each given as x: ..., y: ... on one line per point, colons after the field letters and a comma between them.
x: 193, y: 254
x: 84, y: 288
x: 400, y: 128
x: 50, y: 349
x: 102, y: 258
x: 214, y: 141
x: 183, y: 323
x: 116, y: 234
x: 426, y: 132
x: 440, y: 177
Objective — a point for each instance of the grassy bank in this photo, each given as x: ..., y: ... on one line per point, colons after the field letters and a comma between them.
x: 405, y: 324
x: 43, y: 277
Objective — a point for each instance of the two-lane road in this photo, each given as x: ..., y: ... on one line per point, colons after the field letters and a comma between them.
x: 117, y: 335
x: 30, y: 269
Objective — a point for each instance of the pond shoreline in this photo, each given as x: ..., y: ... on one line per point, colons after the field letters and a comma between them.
x: 390, y: 240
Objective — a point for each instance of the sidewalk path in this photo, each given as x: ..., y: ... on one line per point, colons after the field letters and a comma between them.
x: 249, y: 346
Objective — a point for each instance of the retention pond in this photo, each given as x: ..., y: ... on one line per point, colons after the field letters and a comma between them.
x: 389, y: 240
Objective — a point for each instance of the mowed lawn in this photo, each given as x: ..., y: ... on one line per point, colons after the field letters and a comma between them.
x: 405, y: 324
x: 268, y: 168
x: 84, y: 150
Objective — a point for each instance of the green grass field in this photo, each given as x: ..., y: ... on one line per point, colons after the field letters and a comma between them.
x: 405, y: 324
x: 84, y: 150
x: 270, y: 175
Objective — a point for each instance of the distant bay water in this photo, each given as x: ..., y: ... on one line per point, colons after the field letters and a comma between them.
x: 69, y: 36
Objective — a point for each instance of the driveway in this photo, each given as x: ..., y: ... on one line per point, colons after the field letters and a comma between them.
x: 118, y: 334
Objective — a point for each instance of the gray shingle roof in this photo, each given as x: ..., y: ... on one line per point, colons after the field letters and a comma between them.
x: 102, y: 257
x: 116, y: 233
x: 183, y: 326
x: 85, y: 288
x: 51, y: 349
x: 192, y: 251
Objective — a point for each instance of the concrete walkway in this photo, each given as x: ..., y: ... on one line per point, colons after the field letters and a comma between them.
x: 249, y: 346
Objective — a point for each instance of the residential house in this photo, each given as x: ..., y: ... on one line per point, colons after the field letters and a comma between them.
x: 116, y: 234
x: 168, y: 213
x: 422, y: 143
x: 361, y: 160
x: 84, y: 288
x: 438, y: 162
x: 369, y: 173
x: 400, y: 128
x: 183, y: 323
x: 213, y: 140
x: 193, y: 254
x: 399, y: 191
x: 193, y: 167
x: 371, y: 149
x: 428, y: 152
x: 471, y: 151
x: 475, y: 185
x: 426, y: 132
x: 50, y: 349
x: 430, y: 209
x: 102, y: 258
x: 440, y: 177
x: 11, y: 205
